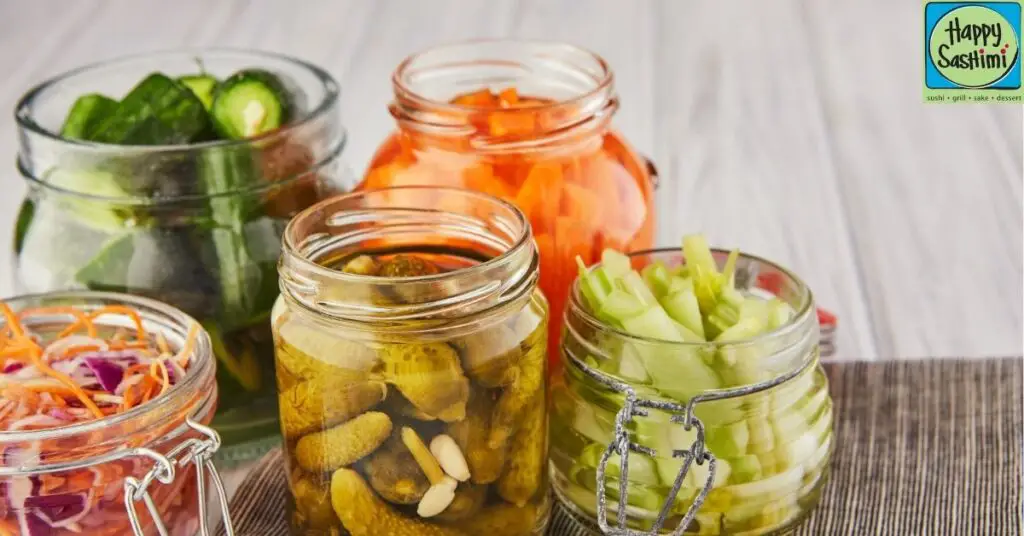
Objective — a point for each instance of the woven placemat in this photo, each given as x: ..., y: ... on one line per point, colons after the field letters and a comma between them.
x: 923, y: 448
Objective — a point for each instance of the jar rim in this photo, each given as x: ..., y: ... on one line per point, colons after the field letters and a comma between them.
x: 202, y: 351
x: 23, y: 115
x: 801, y: 316
x: 301, y: 275
x: 584, y: 82
x: 24, y: 118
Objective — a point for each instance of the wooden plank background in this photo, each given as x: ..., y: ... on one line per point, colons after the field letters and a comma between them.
x: 793, y: 129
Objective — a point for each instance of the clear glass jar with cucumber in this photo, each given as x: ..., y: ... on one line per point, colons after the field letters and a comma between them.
x: 709, y: 365
x: 172, y: 175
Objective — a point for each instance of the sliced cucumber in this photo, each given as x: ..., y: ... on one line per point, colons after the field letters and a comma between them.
x: 85, y: 113
x: 250, y: 103
x: 202, y: 85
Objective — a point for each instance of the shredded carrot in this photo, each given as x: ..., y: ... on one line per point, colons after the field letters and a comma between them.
x: 80, y: 317
x: 161, y: 343
x: 140, y: 331
x: 185, y: 355
x: 158, y: 371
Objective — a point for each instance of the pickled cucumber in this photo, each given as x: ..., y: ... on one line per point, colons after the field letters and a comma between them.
x: 407, y: 266
x: 362, y: 265
x: 488, y: 356
x: 429, y: 376
x: 502, y: 519
x: 394, y: 474
x: 313, y: 503
x: 344, y: 444
x: 471, y: 434
x: 524, y: 471
x: 528, y: 374
x: 469, y: 499
x: 305, y: 352
x: 324, y: 402
x: 364, y: 514
x: 397, y: 405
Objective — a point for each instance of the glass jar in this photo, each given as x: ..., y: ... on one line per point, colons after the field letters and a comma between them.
x: 372, y: 369
x: 95, y: 476
x: 197, y: 226
x: 749, y: 455
x: 554, y: 153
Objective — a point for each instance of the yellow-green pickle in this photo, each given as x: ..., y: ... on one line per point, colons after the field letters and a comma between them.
x: 404, y: 415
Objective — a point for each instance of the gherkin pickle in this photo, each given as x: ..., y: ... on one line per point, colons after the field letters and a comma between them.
x: 394, y: 474
x: 407, y: 266
x: 313, y: 502
x: 524, y: 470
x: 528, y: 381
x: 485, y: 463
x: 344, y: 444
x: 325, y: 401
x: 428, y: 375
x: 469, y: 499
x: 502, y: 519
x: 489, y: 355
x: 363, y: 514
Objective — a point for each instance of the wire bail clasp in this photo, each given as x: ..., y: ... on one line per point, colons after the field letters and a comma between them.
x: 197, y: 451
x: 622, y: 446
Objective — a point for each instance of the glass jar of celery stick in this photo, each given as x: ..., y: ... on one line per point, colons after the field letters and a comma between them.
x: 663, y: 433
x: 161, y: 202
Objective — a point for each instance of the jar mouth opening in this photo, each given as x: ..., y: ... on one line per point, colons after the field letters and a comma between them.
x: 345, y: 224
x: 803, y: 311
x: 148, y: 310
x: 574, y: 85
x: 325, y: 89
x: 24, y: 117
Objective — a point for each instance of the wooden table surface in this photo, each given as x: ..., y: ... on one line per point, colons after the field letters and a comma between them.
x: 793, y: 129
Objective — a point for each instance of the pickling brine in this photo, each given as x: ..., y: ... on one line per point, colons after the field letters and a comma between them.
x: 528, y: 123
x: 411, y: 383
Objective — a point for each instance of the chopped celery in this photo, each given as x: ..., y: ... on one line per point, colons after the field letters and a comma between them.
x: 657, y: 277
x: 745, y: 468
x: 680, y: 284
x: 729, y: 441
x: 615, y: 263
x: 630, y: 365
x: 686, y: 334
x: 634, y: 284
x: 729, y: 270
x: 620, y: 305
x: 780, y: 313
x: 746, y: 328
x: 762, y: 439
x: 682, y: 307
x: 641, y: 466
x: 778, y: 486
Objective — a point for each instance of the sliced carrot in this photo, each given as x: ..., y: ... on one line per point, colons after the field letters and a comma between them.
x: 508, y: 97
x: 481, y: 98
x: 540, y: 196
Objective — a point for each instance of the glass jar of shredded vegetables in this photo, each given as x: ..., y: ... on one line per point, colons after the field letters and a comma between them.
x: 172, y: 176
x: 690, y: 399
x: 104, y: 402
x: 411, y: 355
x: 527, y: 122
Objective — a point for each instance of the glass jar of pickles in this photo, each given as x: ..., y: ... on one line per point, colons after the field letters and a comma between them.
x: 410, y: 340
x: 528, y: 122
x: 691, y: 400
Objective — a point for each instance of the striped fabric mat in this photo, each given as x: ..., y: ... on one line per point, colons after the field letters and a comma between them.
x: 923, y: 448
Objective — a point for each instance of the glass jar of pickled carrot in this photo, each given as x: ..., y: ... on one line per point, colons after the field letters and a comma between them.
x: 527, y: 122
x: 146, y: 470
x: 411, y: 353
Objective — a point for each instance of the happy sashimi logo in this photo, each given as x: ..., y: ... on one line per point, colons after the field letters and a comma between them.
x: 972, y: 51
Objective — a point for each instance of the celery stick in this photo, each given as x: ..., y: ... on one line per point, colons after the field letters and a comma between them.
x: 620, y: 305
x: 634, y: 284
x: 686, y: 334
x: 641, y: 467
x: 729, y: 441
x: 630, y: 365
x: 615, y: 263
x: 746, y: 468
x: 657, y: 277
x: 729, y: 270
x: 746, y: 328
x: 680, y: 284
x: 683, y: 308
x: 780, y: 313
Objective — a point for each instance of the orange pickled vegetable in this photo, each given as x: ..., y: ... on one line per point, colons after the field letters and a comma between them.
x: 582, y: 188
